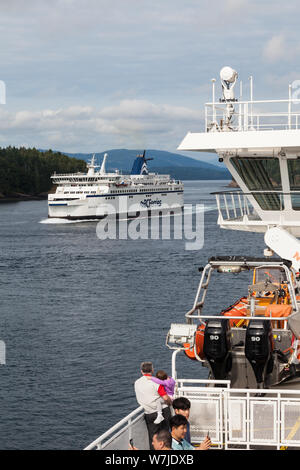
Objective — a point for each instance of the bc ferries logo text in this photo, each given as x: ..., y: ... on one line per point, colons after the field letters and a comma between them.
x: 148, y: 203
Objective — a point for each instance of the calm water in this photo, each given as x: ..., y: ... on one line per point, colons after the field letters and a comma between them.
x: 78, y: 315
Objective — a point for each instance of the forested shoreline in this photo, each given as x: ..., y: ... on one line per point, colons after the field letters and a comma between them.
x: 25, y: 173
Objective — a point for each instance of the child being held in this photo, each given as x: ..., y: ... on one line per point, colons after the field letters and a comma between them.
x: 168, y: 383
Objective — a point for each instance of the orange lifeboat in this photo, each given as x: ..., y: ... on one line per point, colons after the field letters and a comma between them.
x: 199, y: 341
x: 238, y: 309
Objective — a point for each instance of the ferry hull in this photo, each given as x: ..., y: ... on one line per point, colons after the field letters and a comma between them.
x: 98, y: 208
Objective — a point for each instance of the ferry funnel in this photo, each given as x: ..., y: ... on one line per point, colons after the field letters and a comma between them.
x: 140, y: 165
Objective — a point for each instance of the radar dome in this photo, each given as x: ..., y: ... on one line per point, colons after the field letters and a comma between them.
x: 228, y: 74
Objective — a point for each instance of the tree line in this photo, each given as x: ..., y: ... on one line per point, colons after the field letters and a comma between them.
x: 28, y: 171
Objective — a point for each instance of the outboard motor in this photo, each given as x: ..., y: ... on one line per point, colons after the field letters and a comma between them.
x: 258, y: 349
x: 217, y: 348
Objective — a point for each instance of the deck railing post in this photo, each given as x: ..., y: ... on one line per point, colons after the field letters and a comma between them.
x: 246, y: 116
x: 226, y: 207
x: 233, y: 205
x: 240, y: 203
x: 290, y: 107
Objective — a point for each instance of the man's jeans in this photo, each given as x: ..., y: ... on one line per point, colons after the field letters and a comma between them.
x: 154, y: 428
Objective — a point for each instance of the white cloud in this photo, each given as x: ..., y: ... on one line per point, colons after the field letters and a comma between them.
x: 275, y: 48
x: 235, y: 5
x: 133, y: 69
x: 86, y: 128
x: 283, y: 49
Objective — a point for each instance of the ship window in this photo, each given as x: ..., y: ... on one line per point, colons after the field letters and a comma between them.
x: 294, y: 178
x: 261, y: 174
x: 258, y: 173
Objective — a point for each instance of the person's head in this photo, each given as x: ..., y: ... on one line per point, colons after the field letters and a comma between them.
x: 147, y: 368
x: 162, y: 440
x: 178, y: 425
x: 162, y: 375
x: 182, y: 406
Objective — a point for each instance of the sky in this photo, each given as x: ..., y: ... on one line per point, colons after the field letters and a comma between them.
x: 91, y: 75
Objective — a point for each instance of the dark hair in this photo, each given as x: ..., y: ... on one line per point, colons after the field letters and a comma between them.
x: 146, y: 367
x: 177, y: 421
x: 181, y: 403
x: 162, y: 375
x: 164, y: 436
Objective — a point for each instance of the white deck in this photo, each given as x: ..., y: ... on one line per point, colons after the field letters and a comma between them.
x: 229, y: 141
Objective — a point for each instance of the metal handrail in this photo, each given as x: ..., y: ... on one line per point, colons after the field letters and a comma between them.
x: 127, y: 421
x: 198, y: 305
x: 256, y: 191
x: 248, y: 119
x: 222, y: 396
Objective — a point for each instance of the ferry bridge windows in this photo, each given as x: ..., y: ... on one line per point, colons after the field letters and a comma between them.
x: 261, y: 174
x: 294, y: 178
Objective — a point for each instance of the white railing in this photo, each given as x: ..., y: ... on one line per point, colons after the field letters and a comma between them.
x: 234, y: 418
x: 248, y: 115
x: 235, y: 205
x: 132, y: 426
x: 244, y: 418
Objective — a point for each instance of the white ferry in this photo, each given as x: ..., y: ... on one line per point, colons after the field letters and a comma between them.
x: 251, y: 396
x: 96, y: 194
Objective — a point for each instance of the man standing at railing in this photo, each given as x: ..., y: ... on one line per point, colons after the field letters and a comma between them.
x: 147, y: 394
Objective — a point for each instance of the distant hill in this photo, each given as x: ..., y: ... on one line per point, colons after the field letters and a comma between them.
x: 178, y: 166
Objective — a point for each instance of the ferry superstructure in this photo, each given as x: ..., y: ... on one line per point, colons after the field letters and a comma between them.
x: 251, y: 396
x: 259, y: 142
x: 96, y: 194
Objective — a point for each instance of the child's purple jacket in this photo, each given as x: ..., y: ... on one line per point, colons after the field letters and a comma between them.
x: 169, y: 384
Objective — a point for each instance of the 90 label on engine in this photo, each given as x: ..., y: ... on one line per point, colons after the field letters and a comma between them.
x: 214, y: 337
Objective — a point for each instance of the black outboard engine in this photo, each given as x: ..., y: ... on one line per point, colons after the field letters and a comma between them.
x: 258, y: 349
x: 217, y: 348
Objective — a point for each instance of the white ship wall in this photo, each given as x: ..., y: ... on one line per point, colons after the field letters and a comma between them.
x: 100, y: 206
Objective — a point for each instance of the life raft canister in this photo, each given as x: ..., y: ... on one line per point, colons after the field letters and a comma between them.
x: 199, y: 341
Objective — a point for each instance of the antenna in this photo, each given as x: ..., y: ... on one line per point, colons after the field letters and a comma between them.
x: 228, y: 79
x: 251, y: 103
x: 213, y: 81
x: 91, y: 166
